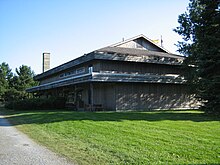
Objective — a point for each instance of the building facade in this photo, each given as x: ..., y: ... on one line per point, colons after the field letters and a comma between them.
x: 135, y: 74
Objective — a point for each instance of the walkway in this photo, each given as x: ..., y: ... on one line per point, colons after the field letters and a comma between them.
x: 17, y: 149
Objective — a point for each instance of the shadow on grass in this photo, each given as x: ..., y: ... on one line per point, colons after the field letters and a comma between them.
x: 41, y: 117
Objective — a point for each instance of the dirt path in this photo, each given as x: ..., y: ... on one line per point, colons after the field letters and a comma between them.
x: 17, y: 149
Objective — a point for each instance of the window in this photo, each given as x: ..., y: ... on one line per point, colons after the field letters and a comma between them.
x: 80, y: 70
x: 73, y: 72
x: 67, y: 74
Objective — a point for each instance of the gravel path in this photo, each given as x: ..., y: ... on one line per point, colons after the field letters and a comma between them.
x: 17, y: 149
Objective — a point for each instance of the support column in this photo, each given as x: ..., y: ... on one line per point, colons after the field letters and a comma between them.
x: 75, y: 98
x: 92, y: 101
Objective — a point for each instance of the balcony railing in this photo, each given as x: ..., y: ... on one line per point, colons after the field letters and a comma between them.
x: 110, y: 77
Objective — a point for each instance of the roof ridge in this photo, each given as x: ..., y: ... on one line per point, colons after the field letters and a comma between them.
x: 136, y: 37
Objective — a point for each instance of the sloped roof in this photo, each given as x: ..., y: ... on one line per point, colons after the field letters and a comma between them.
x: 104, y: 53
x: 130, y: 51
x: 141, y: 36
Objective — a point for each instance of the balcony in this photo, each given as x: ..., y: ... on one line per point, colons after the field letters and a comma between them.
x: 110, y: 77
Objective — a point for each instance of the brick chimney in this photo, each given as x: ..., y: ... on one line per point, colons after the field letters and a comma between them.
x: 46, y: 61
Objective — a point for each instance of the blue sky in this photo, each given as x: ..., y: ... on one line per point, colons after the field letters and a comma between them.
x: 70, y: 28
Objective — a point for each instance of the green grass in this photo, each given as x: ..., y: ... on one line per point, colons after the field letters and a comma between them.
x: 162, y: 137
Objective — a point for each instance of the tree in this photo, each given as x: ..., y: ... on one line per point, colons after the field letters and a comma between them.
x: 22, y: 81
x: 200, y: 30
x: 13, y: 86
x: 5, y: 77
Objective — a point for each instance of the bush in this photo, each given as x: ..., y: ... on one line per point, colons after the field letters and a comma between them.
x: 37, y: 103
x: 9, y: 105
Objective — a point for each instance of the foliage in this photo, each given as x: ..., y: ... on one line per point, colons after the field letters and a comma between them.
x: 22, y: 81
x: 5, y: 77
x: 162, y: 137
x: 25, y: 77
x: 37, y: 103
x: 200, y: 30
x: 13, y: 86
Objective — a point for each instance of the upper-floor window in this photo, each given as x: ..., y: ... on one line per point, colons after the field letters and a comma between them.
x: 80, y: 70
x: 77, y: 71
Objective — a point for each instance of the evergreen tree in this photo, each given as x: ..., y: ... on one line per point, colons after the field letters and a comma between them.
x: 5, y: 76
x: 200, y: 30
x: 13, y: 86
x: 22, y: 81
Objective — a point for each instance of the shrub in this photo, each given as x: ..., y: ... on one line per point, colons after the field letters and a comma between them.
x: 9, y: 105
x: 37, y: 103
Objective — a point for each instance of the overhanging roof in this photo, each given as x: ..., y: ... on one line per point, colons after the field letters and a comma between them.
x: 137, y: 52
x: 118, y: 54
x: 110, y: 77
x: 115, y: 52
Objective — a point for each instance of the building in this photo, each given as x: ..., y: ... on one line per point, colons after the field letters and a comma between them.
x: 135, y: 74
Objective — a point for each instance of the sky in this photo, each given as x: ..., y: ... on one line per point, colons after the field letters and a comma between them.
x: 70, y: 28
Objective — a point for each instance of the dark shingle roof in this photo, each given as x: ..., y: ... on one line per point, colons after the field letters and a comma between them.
x: 113, y: 53
x: 132, y: 51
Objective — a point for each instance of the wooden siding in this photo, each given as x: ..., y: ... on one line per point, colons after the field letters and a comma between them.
x: 133, y: 96
x: 104, y: 94
x: 104, y: 66
x: 58, y: 76
x: 113, y: 71
x: 138, y: 68
x: 138, y: 56
x: 140, y: 44
x: 131, y: 75
x: 142, y: 41
x: 153, y: 96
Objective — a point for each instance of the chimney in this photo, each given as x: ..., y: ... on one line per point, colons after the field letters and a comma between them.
x: 46, y: 61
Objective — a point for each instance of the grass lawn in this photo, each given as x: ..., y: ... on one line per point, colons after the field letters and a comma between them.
x: 162, y: 137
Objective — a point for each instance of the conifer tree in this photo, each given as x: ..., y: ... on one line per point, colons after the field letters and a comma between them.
x: 200, y: 31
